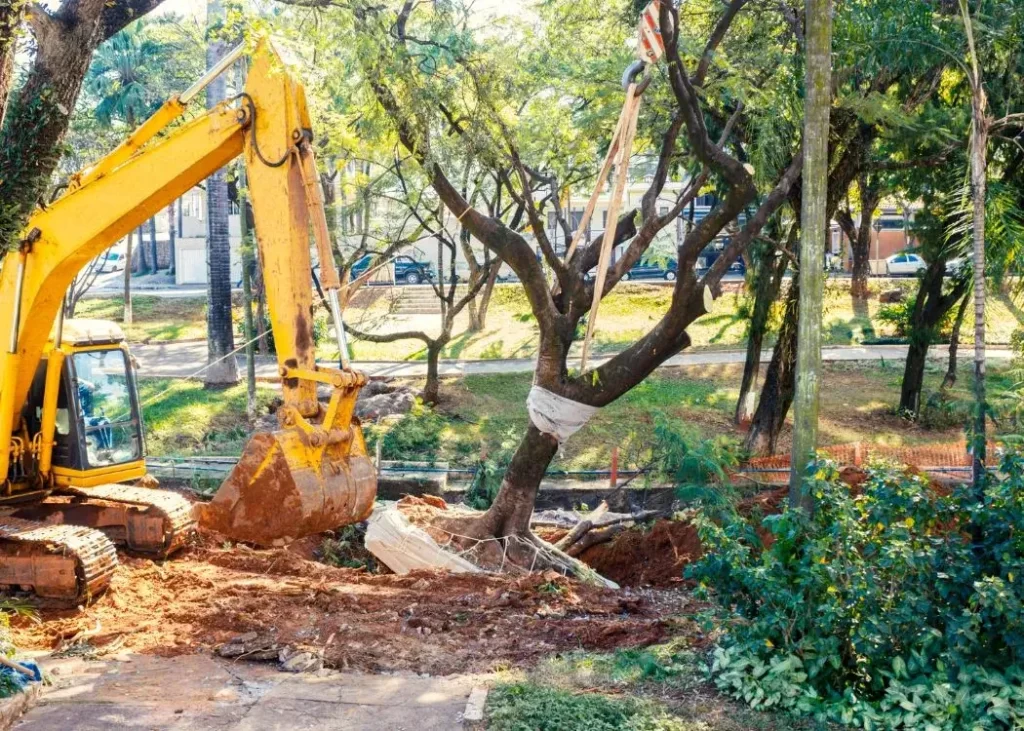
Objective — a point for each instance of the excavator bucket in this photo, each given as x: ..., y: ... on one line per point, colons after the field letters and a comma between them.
x: 292, y: 483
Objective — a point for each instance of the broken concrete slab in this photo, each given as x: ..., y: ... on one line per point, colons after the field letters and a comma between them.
x: 203, y: 692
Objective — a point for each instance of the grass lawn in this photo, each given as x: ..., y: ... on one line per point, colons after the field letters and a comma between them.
x: 155, y: 319
x: 626, y: 314
x: 489, y: 412
x: 633, y: 308
x: 184, y: 419
x: 658, y: 687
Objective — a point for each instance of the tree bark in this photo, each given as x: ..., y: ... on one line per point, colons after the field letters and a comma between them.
x: 949, y: 380
x: 814, y: 221
x: 38, y: 113
x: 779, y: 382
x: 126, y: 315
x: 223, y: 369
x: 510, y: 512
x: 173, y: 240
x: 860, y: 248
x: 770, y: 274
x: 141, y: 265
x: 431, y: 389
x: 154, y: 258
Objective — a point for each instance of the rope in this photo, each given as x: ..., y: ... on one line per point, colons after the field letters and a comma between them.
x: 206, y: 367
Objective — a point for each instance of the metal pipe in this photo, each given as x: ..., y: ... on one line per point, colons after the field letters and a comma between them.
x: 218, y: 68
x: 339, y: 326
x: 59, y: 337
x: 16, y: 317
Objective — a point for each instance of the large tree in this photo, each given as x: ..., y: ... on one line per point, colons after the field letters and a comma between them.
x: 222, y: 368
x: 39, y: 111
x: 407, y: 51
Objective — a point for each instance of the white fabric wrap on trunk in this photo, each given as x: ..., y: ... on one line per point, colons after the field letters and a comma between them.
x: 556, y: 415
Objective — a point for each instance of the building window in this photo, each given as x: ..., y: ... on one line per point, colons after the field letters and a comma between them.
x: 663, y: 211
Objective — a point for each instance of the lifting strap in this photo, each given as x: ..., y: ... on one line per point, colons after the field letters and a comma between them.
x: 650, y: 48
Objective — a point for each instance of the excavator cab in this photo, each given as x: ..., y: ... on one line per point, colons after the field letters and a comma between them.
x: 97, y: 424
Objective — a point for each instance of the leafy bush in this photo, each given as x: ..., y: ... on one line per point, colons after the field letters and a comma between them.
x: 692, y: 462
x: 415, y: 436
x: 898, y: 315
x: 879, y: 610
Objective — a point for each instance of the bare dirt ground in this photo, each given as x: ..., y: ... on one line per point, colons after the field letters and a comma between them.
x: 435, y: 623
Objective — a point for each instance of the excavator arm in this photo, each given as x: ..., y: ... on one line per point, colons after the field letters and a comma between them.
x: 313, y: 473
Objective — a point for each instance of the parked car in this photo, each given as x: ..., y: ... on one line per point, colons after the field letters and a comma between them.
x: 406, y: 269
x: 708, y: 258
x: 649, y: 269
x: 112, y: 261
x: 954, y: 266
x: 654, y: 269
x: 904, y: 264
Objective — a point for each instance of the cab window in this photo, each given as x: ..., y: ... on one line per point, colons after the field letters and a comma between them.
x: 109, y: 422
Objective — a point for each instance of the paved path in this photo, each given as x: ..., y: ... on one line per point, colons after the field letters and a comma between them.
x: 202, y: 692
x: 183, y: 359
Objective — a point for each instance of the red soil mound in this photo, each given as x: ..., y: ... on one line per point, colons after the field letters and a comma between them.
x: 427, y: 622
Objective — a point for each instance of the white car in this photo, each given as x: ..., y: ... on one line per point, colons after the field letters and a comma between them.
x: 904, y: 264
x: 112, y: 261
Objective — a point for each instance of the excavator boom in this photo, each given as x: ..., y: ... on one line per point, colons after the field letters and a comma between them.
x: 311, y: 474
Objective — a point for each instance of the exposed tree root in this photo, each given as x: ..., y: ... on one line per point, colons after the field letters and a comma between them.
x: 521, y: 551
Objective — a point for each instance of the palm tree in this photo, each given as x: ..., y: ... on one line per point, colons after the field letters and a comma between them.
x: 219, y: 332
x: 122, y: 73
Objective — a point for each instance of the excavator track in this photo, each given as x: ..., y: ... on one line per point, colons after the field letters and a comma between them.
x: 142, y: 519
x: 70, y: 563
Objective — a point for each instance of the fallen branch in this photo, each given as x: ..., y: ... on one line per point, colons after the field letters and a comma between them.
x: 582, y: 527
x: 595, y: 537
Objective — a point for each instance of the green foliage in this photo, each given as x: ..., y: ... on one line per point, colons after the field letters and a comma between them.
x: 694, y: 463
x: 877, y: 611
x: 531, y: 707
x: 417, y: 436
x: 345, y: 548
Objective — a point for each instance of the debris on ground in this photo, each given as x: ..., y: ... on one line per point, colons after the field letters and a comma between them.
x: 404, y: 547
x: 427, y: 621
x: 379, y: 399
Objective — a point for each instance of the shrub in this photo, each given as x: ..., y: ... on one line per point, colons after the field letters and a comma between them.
x: 530, y: 707
x: 879, y: 610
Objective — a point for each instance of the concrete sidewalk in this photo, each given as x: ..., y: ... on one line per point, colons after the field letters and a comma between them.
x: 202, y: 692
x: 183, y: 360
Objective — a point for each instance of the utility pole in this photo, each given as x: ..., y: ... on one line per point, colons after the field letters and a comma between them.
x: 814, y: 221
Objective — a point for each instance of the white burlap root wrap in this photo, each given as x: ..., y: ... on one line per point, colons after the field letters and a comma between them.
x: 556, y: 415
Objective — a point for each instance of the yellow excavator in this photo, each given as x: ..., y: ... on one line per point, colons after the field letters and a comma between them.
x: 72, y: 446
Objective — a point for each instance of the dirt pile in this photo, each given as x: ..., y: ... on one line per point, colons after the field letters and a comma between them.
x: 427, y: 622
x: 646, y: 555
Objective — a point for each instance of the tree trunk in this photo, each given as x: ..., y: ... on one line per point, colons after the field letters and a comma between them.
x: 949, y: 380
x: 432, y: 387
x: 154, y: 258
x: 38, y: 114
x: 126, y: 316
x: 220, y: 341
x: 181, y: 218
x: 11, y: 14
x: 814, y: 220
x: 777, y: 391
x: 979, y: 176
x: 860, y: 248
x: 511, y: 510
x: 770, y: 274
x: 141, y: 266
x: 172, y: 240
x: 924, y: 320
